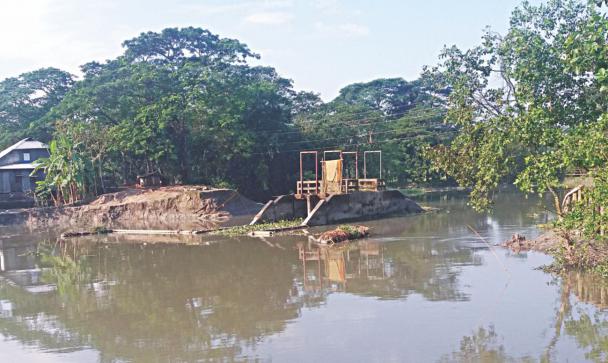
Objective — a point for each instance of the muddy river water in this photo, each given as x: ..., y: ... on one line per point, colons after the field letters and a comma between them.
x: 422, y: 288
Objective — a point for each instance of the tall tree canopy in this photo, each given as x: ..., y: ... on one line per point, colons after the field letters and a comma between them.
x: 522, y: 108
x: 26, y: 99
x: 183, y: 102
x: 187, y: 103
x: 391, y: 96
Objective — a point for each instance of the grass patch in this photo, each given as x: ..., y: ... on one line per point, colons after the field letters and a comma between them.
x: 244, y: 230
x: 353, y: 231
x: 413, y: 192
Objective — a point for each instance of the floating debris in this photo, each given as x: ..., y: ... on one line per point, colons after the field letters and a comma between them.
x: 343, y: 233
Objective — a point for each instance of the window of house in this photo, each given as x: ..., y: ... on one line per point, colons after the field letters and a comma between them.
x: 26, y: 156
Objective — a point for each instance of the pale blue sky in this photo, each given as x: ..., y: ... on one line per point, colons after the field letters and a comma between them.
x: 322, y: 45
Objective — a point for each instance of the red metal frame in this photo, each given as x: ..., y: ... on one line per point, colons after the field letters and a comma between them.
x: 316, y: 153
x: 342, y: 154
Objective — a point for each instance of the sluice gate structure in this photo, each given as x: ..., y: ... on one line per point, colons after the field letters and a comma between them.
x: 337, y: 193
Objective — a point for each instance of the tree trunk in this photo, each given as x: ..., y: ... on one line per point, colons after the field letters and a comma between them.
x: 557, y: 202
x: 100, y: 165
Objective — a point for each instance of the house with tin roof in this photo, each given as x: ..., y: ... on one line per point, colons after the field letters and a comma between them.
x: 16, y: 164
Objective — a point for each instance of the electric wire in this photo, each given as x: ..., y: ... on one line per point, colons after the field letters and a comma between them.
x: 353, y: 122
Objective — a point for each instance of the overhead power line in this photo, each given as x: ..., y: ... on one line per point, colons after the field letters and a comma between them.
x: 368, y: 134
x: 333, y: 147
x: 367, y: 121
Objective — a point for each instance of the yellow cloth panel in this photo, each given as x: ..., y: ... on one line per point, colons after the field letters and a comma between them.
x: 332, y: 176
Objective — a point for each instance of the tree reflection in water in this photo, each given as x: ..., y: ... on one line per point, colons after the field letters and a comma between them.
x: 150, y: 302
x: 589, y: 329
x: 154, y: 302
x: 217, y: 301
x: 482, y: 346
x: 65, y: 266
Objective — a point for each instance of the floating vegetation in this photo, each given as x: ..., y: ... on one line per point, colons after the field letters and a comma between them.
x: 269, y: 226
x: 343, y: 233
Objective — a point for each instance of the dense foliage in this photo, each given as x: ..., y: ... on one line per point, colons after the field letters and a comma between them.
x: 531, y: 104
x: 186, y: 103
x: 67, y: 178
x: 398, y: 117
x: 26, y: 100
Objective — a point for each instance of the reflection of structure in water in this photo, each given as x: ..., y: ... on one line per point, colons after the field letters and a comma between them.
x: 338, y: 264
x: 18, y: 265
x: 16, y: 257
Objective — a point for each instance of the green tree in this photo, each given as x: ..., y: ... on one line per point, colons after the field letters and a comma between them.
x: 26, y: 99
x: 518, y: 104
x: 68, y: 172
x: 185, y: 103
x: 398, y: 117
x: 391, y: 96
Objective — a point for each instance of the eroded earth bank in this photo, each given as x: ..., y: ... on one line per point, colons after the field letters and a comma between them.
x: 166, y: 207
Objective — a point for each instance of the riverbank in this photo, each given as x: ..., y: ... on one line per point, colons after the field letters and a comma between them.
x: 570, y: 251
x: 202, y: 210
x: 175, y: 207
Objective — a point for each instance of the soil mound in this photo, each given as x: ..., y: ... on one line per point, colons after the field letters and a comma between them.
x: 571, y: 250
x: 172, y: 207
x: 543, y: 243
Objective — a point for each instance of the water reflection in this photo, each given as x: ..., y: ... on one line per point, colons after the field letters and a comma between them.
x: 16, y: 256
x: 223, y: 299
x: 136, y: 301
x: 151, y: 303
x: 386, y: 270
x: 484, y: 345
x: 589, y: 327
x: 580, y: 315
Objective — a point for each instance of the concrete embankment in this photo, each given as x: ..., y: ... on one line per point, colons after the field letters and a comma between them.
x: 338, y: 208
x: 168, y: 207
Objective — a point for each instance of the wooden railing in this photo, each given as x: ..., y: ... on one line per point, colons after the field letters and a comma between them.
x: 579, y: 195
x: 573, y: 196
x: 371, y: 185
x: 311, y: 187
x: 349, y: 185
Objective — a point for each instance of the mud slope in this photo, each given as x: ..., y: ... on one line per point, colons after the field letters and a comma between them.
x: 176, y: 207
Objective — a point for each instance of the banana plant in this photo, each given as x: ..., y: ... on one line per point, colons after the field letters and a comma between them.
x: 67, y: 170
